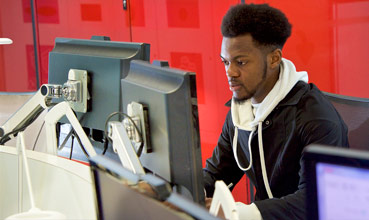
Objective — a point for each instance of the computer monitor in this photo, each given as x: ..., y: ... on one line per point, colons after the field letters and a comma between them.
x: 116, y: 198
x: 337, y: 181
x: 106, y: 62
x: 170, y: 97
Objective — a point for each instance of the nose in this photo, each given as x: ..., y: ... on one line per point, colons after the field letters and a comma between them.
x: 232, y: 71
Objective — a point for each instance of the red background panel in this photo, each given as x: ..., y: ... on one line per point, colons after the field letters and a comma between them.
x: 26, y: 11
x: 351, y: 46
x: 183, y: 14
x: 90, y: 12
x: 13, y: 70
x: 136, y: 14
x: 47, y: 11
x: 66, y: 18
x: 192, y: 62
x: 31, y: 69
x: 2, y: 81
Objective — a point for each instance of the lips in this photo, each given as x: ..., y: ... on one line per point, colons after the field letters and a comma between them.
x: 234, y: 86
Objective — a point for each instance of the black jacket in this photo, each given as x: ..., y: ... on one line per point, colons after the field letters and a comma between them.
x: 303, y: 117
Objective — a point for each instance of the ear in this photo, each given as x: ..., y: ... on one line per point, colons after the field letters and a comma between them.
x: 275, y: 58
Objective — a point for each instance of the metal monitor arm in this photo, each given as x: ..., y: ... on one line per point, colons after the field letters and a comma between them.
x: 129, y: 134
x: 53, y: 116
x: 26, y: 114
x: 123, y: 147
x: 75, y: 93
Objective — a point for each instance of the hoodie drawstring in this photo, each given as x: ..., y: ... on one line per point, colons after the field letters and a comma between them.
x: 261, y: 153
x: 235, y: 140
x: 262, y: 160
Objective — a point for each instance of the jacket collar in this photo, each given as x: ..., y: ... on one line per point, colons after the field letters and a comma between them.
x: 228, y: 103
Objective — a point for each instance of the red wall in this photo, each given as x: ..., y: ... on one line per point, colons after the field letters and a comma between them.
x: 329, y: 40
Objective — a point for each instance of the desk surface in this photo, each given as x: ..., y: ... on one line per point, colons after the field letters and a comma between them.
x: 58, y: 184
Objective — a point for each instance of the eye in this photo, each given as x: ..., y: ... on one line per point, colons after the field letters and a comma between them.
x: 225, y: 62
x: 241, y: 63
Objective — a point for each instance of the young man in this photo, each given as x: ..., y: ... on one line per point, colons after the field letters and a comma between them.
x: 274, y: 114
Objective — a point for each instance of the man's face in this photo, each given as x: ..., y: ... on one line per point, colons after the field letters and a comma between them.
x: 246, y: 68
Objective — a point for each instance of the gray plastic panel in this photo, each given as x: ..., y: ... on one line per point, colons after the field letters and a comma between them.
x: 107, y: 62
x: 173, y: 122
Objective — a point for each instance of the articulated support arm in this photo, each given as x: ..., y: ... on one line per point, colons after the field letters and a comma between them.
x: 53, y: 116
x: 123, y: 146
x: 29, y: 111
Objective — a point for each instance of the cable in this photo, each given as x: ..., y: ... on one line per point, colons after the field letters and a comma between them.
x: 78, y: 139
x: 65, y: 140
x: 24, y: 124
x: 38, y: 135
x: 70, y: 133
x: 71, y: 148
x: 106, y: 142
x: 6, y: 137
x: 74, y: 135
x: 80, y: 144
x: 139, y: 151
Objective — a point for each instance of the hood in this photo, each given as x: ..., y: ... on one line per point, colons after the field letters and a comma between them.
x: 242, y: 115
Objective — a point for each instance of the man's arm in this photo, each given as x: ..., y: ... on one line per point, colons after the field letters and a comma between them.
x: 222, y: 165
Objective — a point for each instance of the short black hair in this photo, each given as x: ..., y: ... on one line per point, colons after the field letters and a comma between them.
x: 268, y: 26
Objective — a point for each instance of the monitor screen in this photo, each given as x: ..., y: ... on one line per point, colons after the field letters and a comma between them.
x: 337, y: 183
x: 342, y: 192
x: 170, y: 98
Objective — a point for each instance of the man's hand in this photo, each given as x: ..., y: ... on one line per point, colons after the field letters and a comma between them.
x: 146, y: 189
x: 208, y: 202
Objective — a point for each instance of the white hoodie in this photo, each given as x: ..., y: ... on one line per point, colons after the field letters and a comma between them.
x: 243, y: 117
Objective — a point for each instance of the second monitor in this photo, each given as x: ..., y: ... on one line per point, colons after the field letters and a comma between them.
x: 170, y: 97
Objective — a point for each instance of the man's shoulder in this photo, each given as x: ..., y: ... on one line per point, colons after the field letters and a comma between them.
x: 313, y: 95
x: 302, y: 92
x: 297, y: 92
x: 311, y: 103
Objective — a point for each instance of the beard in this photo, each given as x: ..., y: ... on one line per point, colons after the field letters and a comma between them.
x: 251, y: 93
x: 243, y: 99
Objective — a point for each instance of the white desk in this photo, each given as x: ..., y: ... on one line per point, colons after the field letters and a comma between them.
x: 58, y: 184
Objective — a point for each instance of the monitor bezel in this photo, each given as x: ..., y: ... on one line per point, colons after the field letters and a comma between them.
x: 315, y: 154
